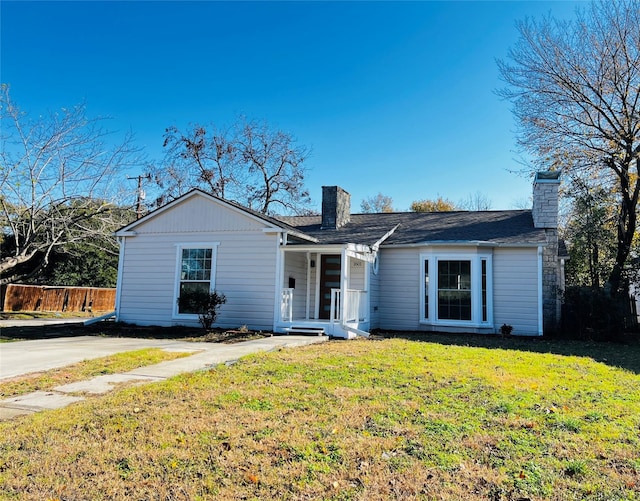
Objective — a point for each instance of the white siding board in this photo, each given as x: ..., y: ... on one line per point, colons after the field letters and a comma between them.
x: 356, y: 274
x: 399, y: 293
x: 200, y: 215
x: 295, y: 266
x: 244, y: 273
x: 515, y: 287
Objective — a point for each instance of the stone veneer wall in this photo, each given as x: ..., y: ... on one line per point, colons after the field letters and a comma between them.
x: 545, y: 215
x: 551, y: 301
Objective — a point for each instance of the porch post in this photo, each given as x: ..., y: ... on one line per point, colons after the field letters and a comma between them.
x: 344, y: 283
x: 277, y: 313
x: 308, y: 285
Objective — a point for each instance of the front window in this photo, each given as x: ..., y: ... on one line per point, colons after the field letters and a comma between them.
x: 195, y: 274
x: 454, y: 290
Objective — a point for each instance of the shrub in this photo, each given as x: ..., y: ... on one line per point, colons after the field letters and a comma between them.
x: 205, y: 304
x: 593, y: 314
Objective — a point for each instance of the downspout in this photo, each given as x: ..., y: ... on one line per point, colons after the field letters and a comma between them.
x: 540, y: 293
x: 121, y: 241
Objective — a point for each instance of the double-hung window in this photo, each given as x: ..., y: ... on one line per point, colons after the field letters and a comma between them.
x: 195, y: 271
x: 456, y: 288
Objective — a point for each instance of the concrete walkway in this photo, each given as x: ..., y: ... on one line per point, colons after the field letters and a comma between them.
x: 25, y: 357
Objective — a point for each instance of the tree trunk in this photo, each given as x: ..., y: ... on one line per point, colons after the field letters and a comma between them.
x: 626, y: 231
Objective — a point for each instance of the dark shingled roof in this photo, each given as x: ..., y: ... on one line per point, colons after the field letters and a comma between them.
x: 513, y: 227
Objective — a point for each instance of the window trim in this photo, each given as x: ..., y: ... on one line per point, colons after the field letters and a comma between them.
x: 176, y: 315
x: 476, y: 258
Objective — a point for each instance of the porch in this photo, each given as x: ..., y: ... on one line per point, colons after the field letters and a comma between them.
x: 324, y: 292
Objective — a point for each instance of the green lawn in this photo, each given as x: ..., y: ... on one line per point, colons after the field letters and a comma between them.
x: 391, y: 419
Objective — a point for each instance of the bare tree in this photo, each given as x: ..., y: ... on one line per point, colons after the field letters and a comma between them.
x: 197, y: 158
x: 379, y: 203
x: 249, y: 163
x: 57, y: 185
x: 575, y: 87
x: 475, y: 202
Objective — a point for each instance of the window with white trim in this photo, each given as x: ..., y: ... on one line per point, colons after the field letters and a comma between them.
x: 456, y: 288
x: 196, y: 271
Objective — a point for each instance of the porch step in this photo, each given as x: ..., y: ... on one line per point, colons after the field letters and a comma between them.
x: 318, y: 331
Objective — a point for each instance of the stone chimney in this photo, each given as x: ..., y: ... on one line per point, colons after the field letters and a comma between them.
x: 545, y: 199
x: 545, y: 215
x: 336, y: 207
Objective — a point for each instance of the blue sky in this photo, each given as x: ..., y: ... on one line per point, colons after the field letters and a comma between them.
x: 392, y: 97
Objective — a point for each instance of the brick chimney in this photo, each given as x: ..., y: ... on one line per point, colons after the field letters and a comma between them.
x: 545, y: 199
x: 336, y: 207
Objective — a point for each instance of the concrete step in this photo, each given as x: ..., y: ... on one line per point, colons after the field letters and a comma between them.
x: 318, y: 331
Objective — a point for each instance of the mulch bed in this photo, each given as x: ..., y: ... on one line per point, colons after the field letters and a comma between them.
x: 119, y: 329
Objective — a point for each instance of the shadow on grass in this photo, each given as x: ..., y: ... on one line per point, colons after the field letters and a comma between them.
x: 623, y: 355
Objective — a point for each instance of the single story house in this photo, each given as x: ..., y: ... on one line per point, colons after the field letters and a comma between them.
x: 345, y: 274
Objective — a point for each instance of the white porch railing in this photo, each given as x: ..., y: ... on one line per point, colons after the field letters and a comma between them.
x: 355, y: 306
x: 286, y: 305
x: 335, y: 305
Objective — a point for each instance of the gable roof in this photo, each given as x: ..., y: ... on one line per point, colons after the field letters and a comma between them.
x: 270, y: 221
x: 513, y: 227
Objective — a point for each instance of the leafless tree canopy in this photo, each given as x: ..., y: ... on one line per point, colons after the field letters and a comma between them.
x: 379, y: 203
x: 475, y: 202
x: 575, y: 87
x: 249, y: 163
x: 58, y: 183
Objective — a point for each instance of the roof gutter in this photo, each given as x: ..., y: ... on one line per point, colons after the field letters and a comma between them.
x: 466, y: 243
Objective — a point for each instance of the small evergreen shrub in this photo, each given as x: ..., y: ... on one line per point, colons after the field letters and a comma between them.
x: 506, y: 329
x: 205, y: 304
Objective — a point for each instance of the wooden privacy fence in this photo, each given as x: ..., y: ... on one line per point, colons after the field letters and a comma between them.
x: 46, y: 298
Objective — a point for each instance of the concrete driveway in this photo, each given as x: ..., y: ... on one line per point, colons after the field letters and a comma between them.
x: 24, y: 357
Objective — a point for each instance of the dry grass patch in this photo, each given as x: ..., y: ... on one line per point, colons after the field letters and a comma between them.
x: 354, y: 420
x: 112, y: 364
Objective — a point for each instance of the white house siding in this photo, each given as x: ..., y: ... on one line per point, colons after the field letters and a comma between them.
x: 296, y: 268
x: 198, y: 214
x: 245, y: 265
x: 515, y: 289
x: 356, y: 274
x: 399, y: 296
